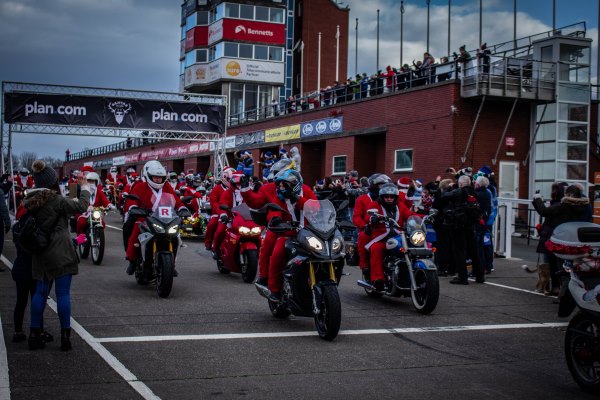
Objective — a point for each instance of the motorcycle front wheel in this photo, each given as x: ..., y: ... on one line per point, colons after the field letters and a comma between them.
x: 251, y: 266
x: 98, y: 247
x: 581, y: 351
x: 164, y: 274
x: 427, y: 294
x: 329, y: 319
x: 84, y: 249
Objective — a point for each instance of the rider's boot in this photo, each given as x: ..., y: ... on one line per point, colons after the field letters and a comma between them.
x: 130, y: 268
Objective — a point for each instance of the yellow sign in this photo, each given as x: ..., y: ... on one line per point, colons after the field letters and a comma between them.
x: 283, y: 133
x: 233, y: 68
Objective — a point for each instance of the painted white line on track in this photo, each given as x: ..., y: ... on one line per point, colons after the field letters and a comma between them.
x: 346, y: 332
x: 111, y: 360
x: 514, y: 288
x: 114, y: 227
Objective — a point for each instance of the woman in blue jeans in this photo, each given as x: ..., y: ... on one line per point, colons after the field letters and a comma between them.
x: 58, y: 262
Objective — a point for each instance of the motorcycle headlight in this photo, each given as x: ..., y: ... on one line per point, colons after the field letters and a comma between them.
x: 96, y: 214
x: 314, y: 243
x: 256, y: 230
x: 158, y: 228
x: 244, y: 230
x: 417, y: 238
x: 336, y: 245
x: 173, y: 230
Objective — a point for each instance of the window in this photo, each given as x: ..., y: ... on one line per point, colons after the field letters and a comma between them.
x: 201, y: 56
x: 404, y: 160
x: 245, y: 51
x: 246, y: 12
x: 339, y: 165
x: 190, y: 21
x: 202, y: 18
x: 261, y: 52
x: 262, y: 14
x: 232, y: 10
x: 573, y: 112
x: 212, y: 53
x: 231, y: 50
x: 275, y: 54
x: 276, y: 15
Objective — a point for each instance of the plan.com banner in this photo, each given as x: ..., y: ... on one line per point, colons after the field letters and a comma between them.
x: 106, y: 112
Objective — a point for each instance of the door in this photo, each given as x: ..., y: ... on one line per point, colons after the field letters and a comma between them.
x: 509, y: 180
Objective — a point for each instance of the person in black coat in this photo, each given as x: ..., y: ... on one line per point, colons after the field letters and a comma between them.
x: 572, y: 207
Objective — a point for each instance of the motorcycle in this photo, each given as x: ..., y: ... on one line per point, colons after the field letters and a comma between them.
x: 159, y: 241
x: 313, y: 269
x: 578, y: 245
x: 194, y: 226
x: 408, y: 267
x: 239, y: 249
x: 349, y: 232
x: 95, y: 241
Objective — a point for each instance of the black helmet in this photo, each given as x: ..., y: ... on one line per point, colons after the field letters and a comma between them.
x: 376, y: 180
x: 292, y: 181
x: 197, y: 181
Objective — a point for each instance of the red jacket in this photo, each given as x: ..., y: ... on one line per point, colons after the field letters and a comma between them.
x: 402, y: 213
x: 28, y: 181
x: 146, y: 196
x: 101, y: 200
x: 256, y: 200
x: 307, y: 194
x: 360, y: 217
x: 214, y: 197
x: 227, y: 198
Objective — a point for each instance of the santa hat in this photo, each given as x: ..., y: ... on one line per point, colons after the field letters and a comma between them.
x: 87, y: 168
x: 418, y: 182
x: 404, y: 182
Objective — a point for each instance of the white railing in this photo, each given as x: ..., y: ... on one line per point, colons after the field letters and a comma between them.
x: 505, y: 226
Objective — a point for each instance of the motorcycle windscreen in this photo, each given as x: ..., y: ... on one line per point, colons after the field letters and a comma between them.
x: 414, y: 223
x: 320, y: 215
x: 164, y: 207
x: 244, y: 211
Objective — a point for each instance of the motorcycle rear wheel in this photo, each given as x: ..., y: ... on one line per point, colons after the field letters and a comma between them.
x: 582, y: 337
x: 221, y: 268
x: 164, y: 274
x: 427, y: 294
x: 329, y: 319
x: 249, y: 270
x: 84, y: 249
x: 98, y: 249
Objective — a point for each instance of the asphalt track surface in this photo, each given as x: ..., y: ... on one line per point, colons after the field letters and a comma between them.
x: 214, y: 337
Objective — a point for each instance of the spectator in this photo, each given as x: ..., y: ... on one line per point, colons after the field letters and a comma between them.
x: 290, y: 105
x: 389, y: 75
x: 482, y: 232
x: 340, y: 92
x: 326, y: 95
x: 356, y: 87
x: 275, y: 107
x: 404, y: 77
x: 483, y: 57
x: 364, y: 86
x: 67, y: 154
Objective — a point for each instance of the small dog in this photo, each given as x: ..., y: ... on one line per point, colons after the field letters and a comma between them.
x: 543, y: 283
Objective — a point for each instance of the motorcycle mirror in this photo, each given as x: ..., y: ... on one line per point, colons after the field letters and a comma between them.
x: 274, y: 207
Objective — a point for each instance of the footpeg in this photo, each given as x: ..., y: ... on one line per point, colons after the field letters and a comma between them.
x: 365, y: 285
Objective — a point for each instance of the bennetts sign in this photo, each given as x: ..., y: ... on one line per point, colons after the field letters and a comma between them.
x: 106, y: 112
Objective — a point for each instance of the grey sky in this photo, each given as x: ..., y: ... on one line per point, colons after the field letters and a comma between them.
x: 134, y: 44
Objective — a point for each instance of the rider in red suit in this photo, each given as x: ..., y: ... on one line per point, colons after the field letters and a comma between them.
x: 387, y: 204
x: 23, y: 180
x: 256, y: 200
x: 291, y: 196
x: 149, y: 193
x: 214, y: 197
x: 97, y: 199
x: 231, y: 198
x: 360, y: 218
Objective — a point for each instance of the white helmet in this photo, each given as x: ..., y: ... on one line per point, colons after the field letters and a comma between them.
x: 93, y: 176
x: 227, y: 174
x: 155, y: 168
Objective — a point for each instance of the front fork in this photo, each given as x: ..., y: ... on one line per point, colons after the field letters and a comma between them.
x: 413, y: 283
x: 316, y: 290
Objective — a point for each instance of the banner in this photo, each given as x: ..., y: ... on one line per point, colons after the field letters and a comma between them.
x: 250, y: 31
x: 116, y: 161
x: 97, y: 111
x: 235, y: 69
x: 328, y: 126
x: 195, y: 37
x: 229, y: 143
x: 250, y: 139
x: 215, y: 32
x: 132, y: 158
x: 283, y: 133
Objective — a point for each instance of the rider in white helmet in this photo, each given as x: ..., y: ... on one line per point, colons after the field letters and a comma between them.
x: 148, y: 195
x: 97, y: 199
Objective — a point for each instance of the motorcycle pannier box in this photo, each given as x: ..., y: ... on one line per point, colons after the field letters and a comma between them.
x: 573, y: 240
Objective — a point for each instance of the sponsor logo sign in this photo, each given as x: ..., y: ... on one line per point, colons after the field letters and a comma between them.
x: 283, y: 133
x: 99, y: 111
x: 195, y: 37
x: 250, y: 139
x: 328, y: 126
x: 250, y: 31
x: 215, y: 32
x: 233, y: 68
x: 229, y: 143
x: 230, y: 69
x: 118, y: 160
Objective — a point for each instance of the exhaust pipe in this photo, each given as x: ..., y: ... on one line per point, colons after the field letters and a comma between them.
x: 365, y: 285
x: 262, y: 290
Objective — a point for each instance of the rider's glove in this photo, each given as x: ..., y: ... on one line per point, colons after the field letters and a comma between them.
x: 223, y: 218
x: 275, y: 221
x: 374, y: 219
x: 244, y: 182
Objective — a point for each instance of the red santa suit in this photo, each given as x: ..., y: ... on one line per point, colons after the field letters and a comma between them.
x: 25, y: 182
x: 360, y: 218
x: 214, y: 197
x: 379, y: 232
x: 148, y: 199
x: 231, y: 198
x: 97, y: 199
x: 294, y: 213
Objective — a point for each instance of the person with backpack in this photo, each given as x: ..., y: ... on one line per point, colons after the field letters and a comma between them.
x: 54, y: 261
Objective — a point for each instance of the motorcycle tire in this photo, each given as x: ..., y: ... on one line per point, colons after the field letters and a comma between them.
x: 329, y: 319
x: 140, y: 277
x: 98, y: 249
x: 249, y: 270
x: 581, y: 339
x: 221, y: 268
x: 164, y: 274
x: 278, y: 310
x: 426, y: 297
x: 84, y: 249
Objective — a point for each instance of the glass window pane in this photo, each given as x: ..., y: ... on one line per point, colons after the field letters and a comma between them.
x: 190, y: 58
x: 261, y: 52
x: 339, y: 164
x: 544, y: 170
x: 547, y: 53
x: 202, y: 17
x: 277, y: 15
x: 231, y: 50
x: 262, y: 13
x: 245, y: 51
x: 220, y: 11
x: 545, y: 151
x: 579, y: 93
x: 218, y: 50
x: 190, y: 22
x: 183, y: 29
x: 246, y: 12
x: 574, y: 172
x: 546, y: 132
x: 201, y: 55
x: 574, y: 54
x: 251, y: 100
x: 232, y: 10
x: 404, y: 159
x: 275, y: 54
x: 573, y: 112
x: 574, y: 73
x: 572, y: 132
x: 237, y: 100
x: 549, y: 114
x: 569, y: 151
x: 181, y: 67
